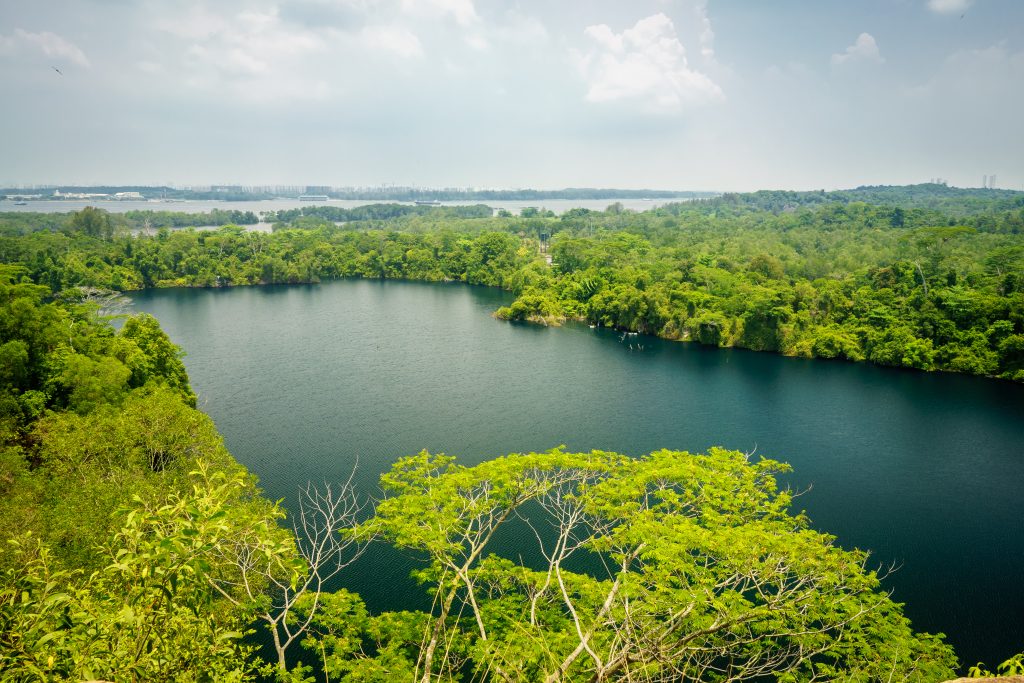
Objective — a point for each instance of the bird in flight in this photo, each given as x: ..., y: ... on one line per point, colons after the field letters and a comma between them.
x: 58, y: 71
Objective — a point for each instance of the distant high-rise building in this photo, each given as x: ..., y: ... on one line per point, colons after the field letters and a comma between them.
x: 992, y: 182
x: 984, y: 181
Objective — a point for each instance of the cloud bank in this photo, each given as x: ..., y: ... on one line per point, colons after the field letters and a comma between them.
x: 645, y: 65
x: 49, y: 44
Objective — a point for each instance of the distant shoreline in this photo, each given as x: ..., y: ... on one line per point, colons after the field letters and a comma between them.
x: 254, y: 193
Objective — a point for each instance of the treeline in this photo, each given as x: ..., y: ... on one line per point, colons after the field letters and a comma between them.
x: 103, y: 223
x: 910, y: 288
x: 954, y: 201
x: 232, y: 256
x: 313, y: 216
x: 841, y: 281
x: 100, y: 223
x: 141, y: 220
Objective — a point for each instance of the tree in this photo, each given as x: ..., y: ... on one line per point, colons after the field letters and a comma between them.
x: 150, y: 613
x: 671, y: 567
x: 160, y: 358
x: 93, y: 222
x: 326, y: 540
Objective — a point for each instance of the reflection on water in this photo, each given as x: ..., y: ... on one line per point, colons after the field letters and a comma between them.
x: 922, y: 469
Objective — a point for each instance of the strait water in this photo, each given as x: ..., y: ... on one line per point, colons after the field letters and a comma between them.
x: 924, y: 470
x: 559, y: 206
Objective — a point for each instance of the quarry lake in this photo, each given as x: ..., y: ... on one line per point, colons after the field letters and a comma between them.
x: 924, y: 470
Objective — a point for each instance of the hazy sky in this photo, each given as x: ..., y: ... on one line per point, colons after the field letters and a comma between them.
x: 673, y: 94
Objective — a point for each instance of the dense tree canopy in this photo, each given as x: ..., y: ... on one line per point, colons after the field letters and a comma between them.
x: 911, y: 283
x: 116, y: 496
x: 670, y: 567
x: 138, y: 549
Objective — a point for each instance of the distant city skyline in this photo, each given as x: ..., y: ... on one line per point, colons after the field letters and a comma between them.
x: 700, y: 95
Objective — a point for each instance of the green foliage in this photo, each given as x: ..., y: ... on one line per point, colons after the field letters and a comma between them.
x: 158, y: 358
x: 315, y: 216
x: 354, y: 646
x: 668, y: 567
x: 1014, y: 666
x: 59, y: 355
x: 93, y: 222
x: 134, y: 532
x: 533, y: 305
x: 175, y: 219
x: 900, y: 201
x: 145, y: 446
x: 840, y: 281
x: 121, y: 505
x: 915, y: 279
x: 149, y: 613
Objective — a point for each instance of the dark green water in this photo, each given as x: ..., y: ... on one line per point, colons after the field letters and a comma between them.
x: 925, y: 470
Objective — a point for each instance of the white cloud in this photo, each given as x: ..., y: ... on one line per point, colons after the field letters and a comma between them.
x: 516, y: 27
x: 193, y: 23
x: 477, y: 41
x: 707, y: 36
x: 645, y: 64
x: 251, y: 52
x: 395, y: 39
x: 949, y: 6
x: 463, y: 11
x: 864, y: 49
x: 50, y: 44
x: 605, y: 37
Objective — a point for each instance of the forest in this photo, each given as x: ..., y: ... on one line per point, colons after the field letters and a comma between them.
x: 909, y: 282
x: 139, y: 549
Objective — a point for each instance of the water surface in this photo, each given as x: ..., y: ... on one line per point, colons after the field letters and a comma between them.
x: 559, y: 206
x: 925, y: 470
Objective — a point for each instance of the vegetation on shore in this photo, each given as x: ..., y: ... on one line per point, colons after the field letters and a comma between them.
x: 138, y: 549
x: 933, y: 281
x: 113, y: 490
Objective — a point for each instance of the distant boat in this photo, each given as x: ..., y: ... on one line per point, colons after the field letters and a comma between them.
x: 313, y: 198
x: 427, y: 202
x: 21, y: 203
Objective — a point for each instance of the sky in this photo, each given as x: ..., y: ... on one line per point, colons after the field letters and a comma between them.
x: 666, y: 94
